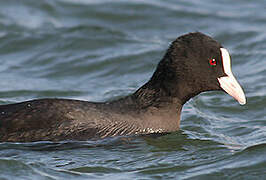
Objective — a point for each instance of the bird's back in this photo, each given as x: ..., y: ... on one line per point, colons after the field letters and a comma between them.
x: 48, y: 119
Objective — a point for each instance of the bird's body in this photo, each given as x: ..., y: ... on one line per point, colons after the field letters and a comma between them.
x: 194, y: 63
x: 65, y: 119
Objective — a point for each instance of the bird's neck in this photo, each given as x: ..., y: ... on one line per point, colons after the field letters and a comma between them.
x: 163, y: 93
x: 155, y: 96
x: 155, y: 106
x: 150, y: 109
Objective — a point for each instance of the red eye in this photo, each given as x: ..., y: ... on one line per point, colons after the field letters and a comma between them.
x: 212, y: 62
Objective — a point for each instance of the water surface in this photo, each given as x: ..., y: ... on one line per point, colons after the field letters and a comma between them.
x: 100, y: 50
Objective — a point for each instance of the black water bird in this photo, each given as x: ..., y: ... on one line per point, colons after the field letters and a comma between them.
x: 193, y: 63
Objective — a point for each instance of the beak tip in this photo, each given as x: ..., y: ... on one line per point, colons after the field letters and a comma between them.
x: 232, y: 87
x: 243, y: 102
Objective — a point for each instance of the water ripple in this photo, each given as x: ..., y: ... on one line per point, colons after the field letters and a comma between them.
x: 101, y: 50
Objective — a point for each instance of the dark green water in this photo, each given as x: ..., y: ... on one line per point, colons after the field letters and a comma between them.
x: 98, y: 50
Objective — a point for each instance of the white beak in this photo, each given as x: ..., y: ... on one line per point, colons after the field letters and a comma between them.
x: 229, y: 83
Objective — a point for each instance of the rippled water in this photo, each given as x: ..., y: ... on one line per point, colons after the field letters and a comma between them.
x: 98, y: 50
